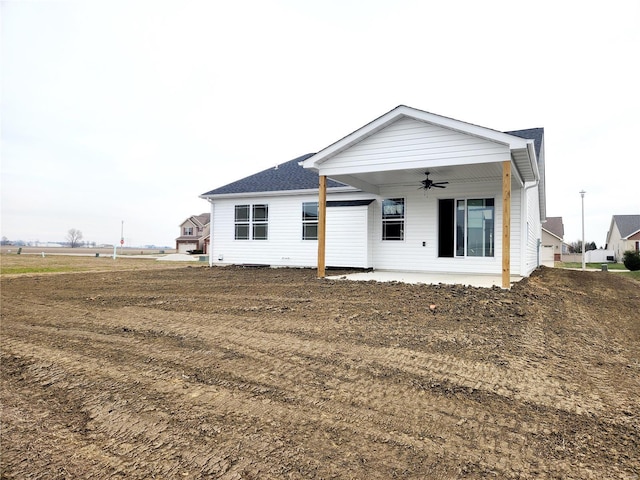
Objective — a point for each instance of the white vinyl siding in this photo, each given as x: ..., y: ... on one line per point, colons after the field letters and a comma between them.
x: 347, y: 240
x: 532, y: 230
x: 354, y: 233
x: 413, y: 144
x: 285, y: 246
x: 419, y: 251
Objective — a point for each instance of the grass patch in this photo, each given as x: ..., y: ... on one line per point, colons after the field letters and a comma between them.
x: 16, y: 270
x: 13, y: 264
x: 597, y: 266
x: 634, y: 275
x: 610, y: 266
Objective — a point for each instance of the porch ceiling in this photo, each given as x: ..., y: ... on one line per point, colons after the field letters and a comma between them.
x: 413, y: 177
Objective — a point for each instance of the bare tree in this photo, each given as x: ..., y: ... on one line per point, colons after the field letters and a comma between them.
x: 576, y: 247
x: 73, y: 237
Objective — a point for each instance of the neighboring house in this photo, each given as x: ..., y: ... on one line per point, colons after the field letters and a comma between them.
x: 553, y: 236
x: 194, y: 234
x: 623, y: 235
x: 486, y: 219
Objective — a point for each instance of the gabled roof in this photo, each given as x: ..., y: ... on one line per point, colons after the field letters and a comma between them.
x: 522, y: 147
x: 535, y: 134
x: 627, y: 224
x: 554, y: 226
x: 284, y: 177
x: 292, y: 176
x: 202, y: 220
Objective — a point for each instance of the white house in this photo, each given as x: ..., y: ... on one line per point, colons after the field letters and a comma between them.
x: 552, y: 241
x: 623, y: 235
x: 410, y: 190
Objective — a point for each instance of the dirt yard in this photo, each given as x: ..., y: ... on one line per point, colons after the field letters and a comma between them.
x: 238, y: 373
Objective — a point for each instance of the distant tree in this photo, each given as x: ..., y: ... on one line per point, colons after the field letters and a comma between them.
x: 576, y: 247
x: 6, y: 241
x: 74, y: 237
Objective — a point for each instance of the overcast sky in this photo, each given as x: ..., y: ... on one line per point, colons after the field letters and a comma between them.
x: 127, y: 111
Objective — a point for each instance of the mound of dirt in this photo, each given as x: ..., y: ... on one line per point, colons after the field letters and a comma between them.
x: 233, y: 372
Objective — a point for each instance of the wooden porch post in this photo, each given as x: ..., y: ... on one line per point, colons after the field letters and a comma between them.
x: 322, y: 223
x: 506, y: 224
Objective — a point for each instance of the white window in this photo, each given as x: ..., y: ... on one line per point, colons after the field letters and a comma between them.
x: 469, y: 226
x: 188, y: 231
x: 260, y: 218
x: 310, y: 221
x: 393, y: 219
x: 251, y: 222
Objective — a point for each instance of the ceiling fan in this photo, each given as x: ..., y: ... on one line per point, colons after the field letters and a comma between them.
x: 427, y: 183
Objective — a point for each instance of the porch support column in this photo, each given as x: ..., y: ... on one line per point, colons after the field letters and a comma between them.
x: 506, y: 224
x: 322, y: 223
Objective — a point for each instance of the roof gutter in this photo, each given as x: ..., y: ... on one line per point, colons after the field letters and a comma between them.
x: 276, y: 193
x: 531, y: 149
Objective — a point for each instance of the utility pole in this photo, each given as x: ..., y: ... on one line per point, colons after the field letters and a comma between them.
x: 582, y: 192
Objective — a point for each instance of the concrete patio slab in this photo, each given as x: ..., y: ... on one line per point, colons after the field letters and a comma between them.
x: 428, y: 278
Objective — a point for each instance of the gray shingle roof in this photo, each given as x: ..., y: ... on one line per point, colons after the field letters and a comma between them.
x: 535, y: 134
x: 203, y: 219
x: 555, y: 226
x: 291, y: 176
x: 286, y: 176
x: 627, y: 224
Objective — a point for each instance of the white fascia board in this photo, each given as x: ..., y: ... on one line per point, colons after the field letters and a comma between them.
x: 527, y: 166
x: 512, y: 141
x: 278, y: 193
x: 534, y: 160
x: 358, y: 184
x: 631, y: 235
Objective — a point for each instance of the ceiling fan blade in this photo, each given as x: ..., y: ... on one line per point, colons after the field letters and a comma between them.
x: 427, y: 183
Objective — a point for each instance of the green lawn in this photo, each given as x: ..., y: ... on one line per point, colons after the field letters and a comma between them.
x: 635, y: 275
x: 610, y: 266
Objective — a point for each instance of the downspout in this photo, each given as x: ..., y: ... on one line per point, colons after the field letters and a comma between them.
x: 211, y: 233
x: 528, y: 186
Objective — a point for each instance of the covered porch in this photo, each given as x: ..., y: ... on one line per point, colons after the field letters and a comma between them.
x: 405, y: 150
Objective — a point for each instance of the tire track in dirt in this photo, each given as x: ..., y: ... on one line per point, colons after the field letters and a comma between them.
x: 127, y: 427
x: 167, y: 388
x: 351, y: 389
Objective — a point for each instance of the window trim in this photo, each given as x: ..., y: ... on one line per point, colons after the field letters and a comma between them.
x: 262, y: 222
x: 490, y: 245
x: 309, y: 222
x: 249, y: 222
x: 393, y: 218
